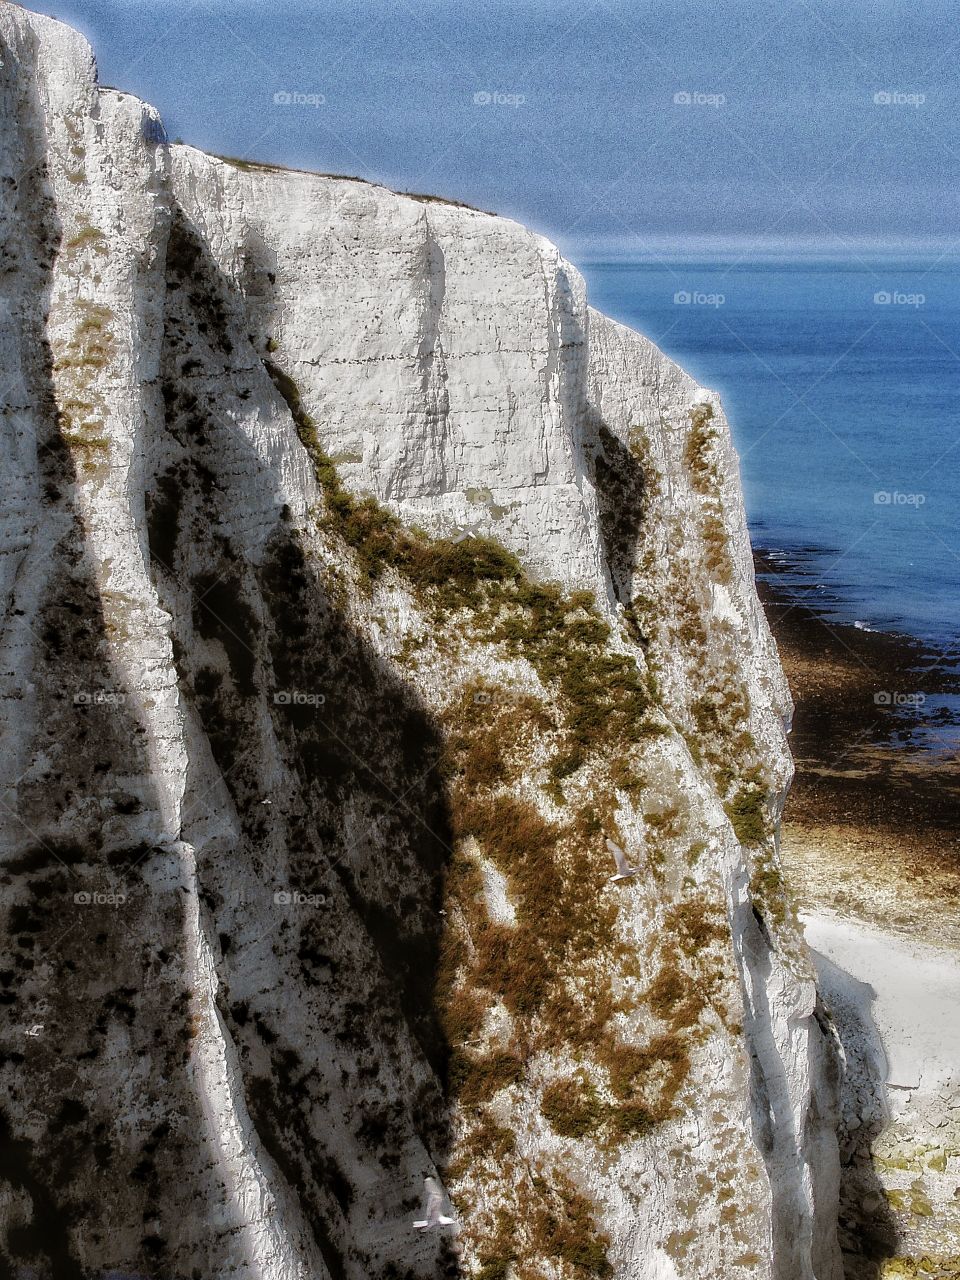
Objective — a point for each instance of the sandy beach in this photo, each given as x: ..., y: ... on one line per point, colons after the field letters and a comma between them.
x: 909, y: 990
x: 895, y: 1004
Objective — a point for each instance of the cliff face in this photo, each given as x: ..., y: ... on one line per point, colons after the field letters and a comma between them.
x: 361, y: 583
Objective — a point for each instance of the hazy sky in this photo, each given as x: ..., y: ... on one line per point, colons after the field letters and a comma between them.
x: 820, y: 122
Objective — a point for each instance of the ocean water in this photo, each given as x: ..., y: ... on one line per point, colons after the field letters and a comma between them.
x: 841, y: 381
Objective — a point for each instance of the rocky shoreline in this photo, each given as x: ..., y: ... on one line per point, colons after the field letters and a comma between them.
x: 871, y: 848
x: 872, y: 822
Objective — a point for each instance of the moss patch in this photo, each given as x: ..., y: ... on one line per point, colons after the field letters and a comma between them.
x: 747, y: 813
x: 571, y: 1108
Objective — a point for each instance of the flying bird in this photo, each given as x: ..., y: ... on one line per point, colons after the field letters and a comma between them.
x: 465, y: 531
x: 433, y: 1193
x: 624, y: 870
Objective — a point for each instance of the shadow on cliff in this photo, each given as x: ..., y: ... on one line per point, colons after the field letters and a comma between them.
x: 621, y: 489
x: 322, y: 855
x: 771, y: 1107
x: 86, y: 983
x: 868, y: 1232
x: 801, y: 1152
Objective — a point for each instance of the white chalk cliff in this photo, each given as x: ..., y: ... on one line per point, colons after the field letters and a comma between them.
x: 304, y: 808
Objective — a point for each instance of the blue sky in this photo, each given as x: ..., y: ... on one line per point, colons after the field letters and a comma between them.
x: 818, y: 124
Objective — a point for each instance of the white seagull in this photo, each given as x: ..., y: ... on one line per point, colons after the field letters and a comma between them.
x: 465, y: 531
x: 624, y: 870
x: 433, y: 1193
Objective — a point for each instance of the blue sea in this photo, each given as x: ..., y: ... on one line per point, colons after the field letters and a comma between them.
x: 841, y: 381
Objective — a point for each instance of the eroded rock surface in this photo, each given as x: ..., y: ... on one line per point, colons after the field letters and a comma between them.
x: 306, y: 795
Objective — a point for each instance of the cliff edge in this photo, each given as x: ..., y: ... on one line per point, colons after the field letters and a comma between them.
x: 361, y: 585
